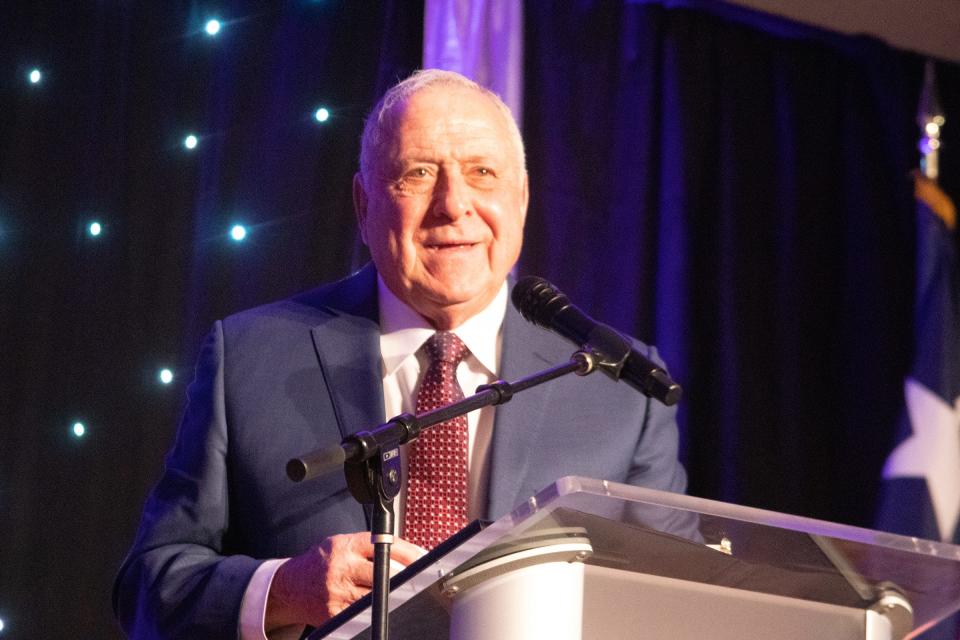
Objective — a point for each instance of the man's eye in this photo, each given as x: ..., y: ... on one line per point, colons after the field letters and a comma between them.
x: 483, y: 171
x: 419, y: 172
x: 416, y: 180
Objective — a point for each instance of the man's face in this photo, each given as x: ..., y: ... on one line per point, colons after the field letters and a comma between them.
x: 443, y: 209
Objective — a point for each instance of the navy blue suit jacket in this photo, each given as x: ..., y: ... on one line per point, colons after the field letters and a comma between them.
x: 277, y: 381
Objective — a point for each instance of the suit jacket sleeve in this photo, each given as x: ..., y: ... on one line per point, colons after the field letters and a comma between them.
x: 655, y: 459
x: 179, y: 580
x: 656, y: 465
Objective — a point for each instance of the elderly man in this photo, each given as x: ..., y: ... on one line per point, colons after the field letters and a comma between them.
x: 227, y: 545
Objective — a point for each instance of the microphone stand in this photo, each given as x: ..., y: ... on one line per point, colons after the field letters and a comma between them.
x: 371, y: 461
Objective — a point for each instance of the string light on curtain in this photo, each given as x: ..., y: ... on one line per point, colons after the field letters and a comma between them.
x: 191, y: 141
x: 238, y: 232
x: 322, y: 114
x: 94, y: 229
x: 212, y: 28
x: 35, y: 76
x: 79, y: 429
x: 165, y: 376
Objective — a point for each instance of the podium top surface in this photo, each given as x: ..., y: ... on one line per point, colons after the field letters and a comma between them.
x: 704, y: 541
x: 764, y: 550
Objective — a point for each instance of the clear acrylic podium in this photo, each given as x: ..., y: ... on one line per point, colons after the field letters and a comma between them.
x: 588, y: 559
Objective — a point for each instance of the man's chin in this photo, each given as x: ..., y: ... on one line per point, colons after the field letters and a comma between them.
x: 453, y: 289
x: 448, y: 299
x: 442, y: 304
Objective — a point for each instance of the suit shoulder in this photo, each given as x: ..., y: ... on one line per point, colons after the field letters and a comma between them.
x: 353, y: 295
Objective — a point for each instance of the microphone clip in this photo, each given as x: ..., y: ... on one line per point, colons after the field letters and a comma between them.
x: 609, y: 348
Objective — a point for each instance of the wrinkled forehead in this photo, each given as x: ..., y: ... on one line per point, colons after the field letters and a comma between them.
x: 444, y: 112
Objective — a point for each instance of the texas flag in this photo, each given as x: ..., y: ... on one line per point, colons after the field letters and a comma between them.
x: 921, y: 478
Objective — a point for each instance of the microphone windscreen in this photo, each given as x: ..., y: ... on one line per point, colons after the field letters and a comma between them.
x: 537, y: 300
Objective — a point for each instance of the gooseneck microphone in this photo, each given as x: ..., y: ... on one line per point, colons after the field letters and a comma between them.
x: 544, y: 305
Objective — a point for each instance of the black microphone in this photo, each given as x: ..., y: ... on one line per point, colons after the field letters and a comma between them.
x: 542, y: 304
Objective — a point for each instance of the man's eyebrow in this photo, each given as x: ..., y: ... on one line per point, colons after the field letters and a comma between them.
x: 413, y: 159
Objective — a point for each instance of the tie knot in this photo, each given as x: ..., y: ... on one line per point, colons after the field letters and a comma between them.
x: 444, y: 346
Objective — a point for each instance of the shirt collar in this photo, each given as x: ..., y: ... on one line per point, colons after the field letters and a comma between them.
x: 403, y: 331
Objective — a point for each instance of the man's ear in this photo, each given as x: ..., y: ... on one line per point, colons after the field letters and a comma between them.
x: 360, y: 205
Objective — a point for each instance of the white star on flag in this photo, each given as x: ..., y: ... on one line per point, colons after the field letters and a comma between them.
x: 931, y: 452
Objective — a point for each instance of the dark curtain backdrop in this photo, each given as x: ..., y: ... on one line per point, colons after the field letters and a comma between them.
x: 736, y: 190
x: 86, y: 323
x: 733, y: 191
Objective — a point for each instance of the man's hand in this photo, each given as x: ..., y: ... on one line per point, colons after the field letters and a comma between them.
x: 317, y: 585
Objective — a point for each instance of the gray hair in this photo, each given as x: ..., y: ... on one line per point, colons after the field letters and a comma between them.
x: 380, y: 122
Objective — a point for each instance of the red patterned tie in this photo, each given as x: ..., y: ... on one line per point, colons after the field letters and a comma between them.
x: 437, y: 474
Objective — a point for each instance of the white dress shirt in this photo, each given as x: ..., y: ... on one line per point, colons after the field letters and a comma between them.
x: 403, y: 332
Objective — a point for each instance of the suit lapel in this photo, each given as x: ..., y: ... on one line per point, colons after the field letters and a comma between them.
x: 347, y: 344
x: 520, y: 423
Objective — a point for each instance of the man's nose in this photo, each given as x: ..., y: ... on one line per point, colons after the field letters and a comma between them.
x: 451, y: 196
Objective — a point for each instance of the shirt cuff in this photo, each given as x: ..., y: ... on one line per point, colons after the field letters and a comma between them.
x: 253, y: 608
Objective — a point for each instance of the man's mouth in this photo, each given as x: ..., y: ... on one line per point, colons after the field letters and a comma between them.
x: 449, y: 246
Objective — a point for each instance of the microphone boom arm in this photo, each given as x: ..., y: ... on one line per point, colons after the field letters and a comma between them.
x: 403, y: 428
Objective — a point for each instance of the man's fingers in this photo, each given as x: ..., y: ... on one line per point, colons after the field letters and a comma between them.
x: 346, y: 596
x: 402, y: 553
x: 355, y: 543
x: 396, y: 567
x: 355, y: 554
x: 406, y: 552
x: 361, y: 573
